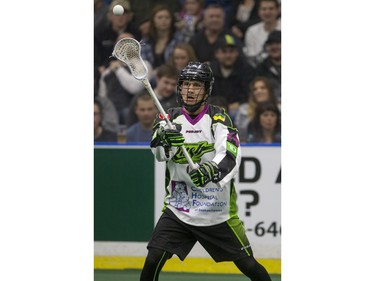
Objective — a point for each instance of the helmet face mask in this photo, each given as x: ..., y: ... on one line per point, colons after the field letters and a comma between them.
x: 195, y: 71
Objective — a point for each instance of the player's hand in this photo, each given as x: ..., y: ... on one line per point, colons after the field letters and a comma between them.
x: 208, y: 171
x: 171, y: 137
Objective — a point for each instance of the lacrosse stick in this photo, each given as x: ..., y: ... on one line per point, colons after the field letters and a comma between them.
x: 128, y: 50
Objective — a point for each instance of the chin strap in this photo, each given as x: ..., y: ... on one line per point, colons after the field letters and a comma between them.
x: 193, y: 108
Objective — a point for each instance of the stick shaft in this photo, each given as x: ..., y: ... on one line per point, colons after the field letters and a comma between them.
x: 162, y: 111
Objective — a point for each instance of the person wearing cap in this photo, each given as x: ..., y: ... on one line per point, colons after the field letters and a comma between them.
x: 271, y: 66
x: 232, y: 73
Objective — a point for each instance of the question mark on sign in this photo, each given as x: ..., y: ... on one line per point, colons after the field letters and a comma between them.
x: 254, y: 202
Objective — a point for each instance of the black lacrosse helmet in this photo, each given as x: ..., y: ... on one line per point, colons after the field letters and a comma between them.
x: 195, y: 71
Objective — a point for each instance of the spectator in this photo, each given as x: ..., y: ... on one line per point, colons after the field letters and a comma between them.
x: 144, y: 26
x: 143, y: 8
x: 100, y: 133
x: 219, y: 101
x: 146, y: 112
x: 118, y: 84
x: 204, y: 41
x: 182, y: 54
x: 271, y: 66
x: 166, y: 83
x: 256, y: 35
x: 165, y: 90
x: 105, y: 40
x: 161, y: 38
x: 260, y: 91
x: 232, y: 74
x: 266, y: 125
x: 245, y: 15
x: 227, y: 6
x: 110, y: 119
x: 190, y: 18
x: 100, y: 15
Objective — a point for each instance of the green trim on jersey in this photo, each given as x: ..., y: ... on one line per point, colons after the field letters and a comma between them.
x: 156, y: 275
x: 233, y: 200
x: 239, y: 230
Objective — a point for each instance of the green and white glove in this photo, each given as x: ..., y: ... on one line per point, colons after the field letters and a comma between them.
x: 208, y: 171
x: 171, y: 137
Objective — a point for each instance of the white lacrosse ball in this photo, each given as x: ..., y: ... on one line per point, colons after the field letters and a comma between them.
x: 118, y: 10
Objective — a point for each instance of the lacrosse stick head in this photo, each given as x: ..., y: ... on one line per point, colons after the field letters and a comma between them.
x: 128, y: 50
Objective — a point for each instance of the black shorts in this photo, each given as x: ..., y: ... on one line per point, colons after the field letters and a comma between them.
x: 226, y: 241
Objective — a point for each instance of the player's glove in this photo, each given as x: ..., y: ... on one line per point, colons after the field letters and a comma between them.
x: 208, y: 171
x: 171, y: 137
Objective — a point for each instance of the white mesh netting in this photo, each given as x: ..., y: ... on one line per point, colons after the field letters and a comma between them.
x: 128, y: 51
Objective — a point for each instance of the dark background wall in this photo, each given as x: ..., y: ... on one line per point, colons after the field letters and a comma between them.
x: 123, y: 194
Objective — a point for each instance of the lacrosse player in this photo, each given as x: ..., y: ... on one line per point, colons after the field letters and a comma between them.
x: 200, y: 204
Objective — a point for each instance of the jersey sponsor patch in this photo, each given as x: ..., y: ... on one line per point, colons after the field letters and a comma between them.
x: 179, y: 197
x: 193, y: 131
x: 219, y: 116
x: 232, y: 148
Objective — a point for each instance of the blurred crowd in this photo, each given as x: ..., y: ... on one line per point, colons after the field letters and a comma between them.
x: 240, y: 39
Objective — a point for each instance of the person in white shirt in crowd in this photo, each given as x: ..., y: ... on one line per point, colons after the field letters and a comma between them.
x: 118, y: 84
x: 257, y: 34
